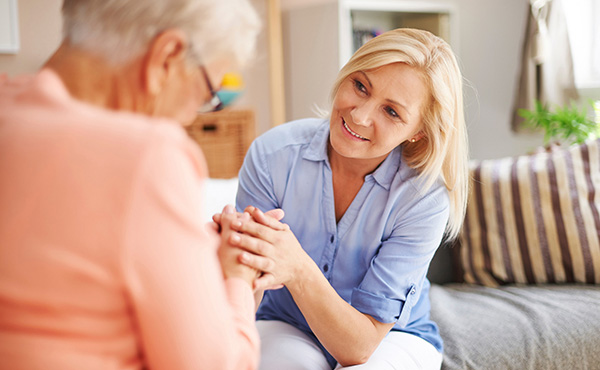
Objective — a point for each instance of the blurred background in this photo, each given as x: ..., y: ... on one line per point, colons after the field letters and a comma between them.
x: 304, y: 43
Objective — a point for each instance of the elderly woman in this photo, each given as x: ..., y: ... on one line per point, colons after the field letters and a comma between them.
x: 104, y: 260
x: 368, y: 195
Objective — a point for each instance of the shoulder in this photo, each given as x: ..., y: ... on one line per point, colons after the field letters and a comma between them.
x: 288, y: 135
x: 418, y: 191
x: 416, y: 206
x: 132, y: 136
x: 108, y: 142
x: 154, y: 143
x: 129, y: 133
x: 41, y: 107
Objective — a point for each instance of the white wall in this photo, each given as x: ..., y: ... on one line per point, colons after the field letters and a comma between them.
x: 289, y: 4
x: 256, y: 76
x: 491, y: 38
x: 40, y: 34
x: 490, y: 34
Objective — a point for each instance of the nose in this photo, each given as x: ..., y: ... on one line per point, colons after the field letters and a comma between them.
x: 362, y: 115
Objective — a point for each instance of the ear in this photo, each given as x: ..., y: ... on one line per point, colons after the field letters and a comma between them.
x: 416, y: 137
x: 165, y: 54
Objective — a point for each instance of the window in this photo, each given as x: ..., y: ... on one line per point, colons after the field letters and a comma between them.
x: 583, y: 23
x: 9, y: 28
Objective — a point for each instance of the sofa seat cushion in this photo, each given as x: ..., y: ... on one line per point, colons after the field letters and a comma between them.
x: 518, y: 327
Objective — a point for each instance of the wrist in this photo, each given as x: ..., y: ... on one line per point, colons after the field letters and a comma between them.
x: 306, y: 273
x: 241, y: 272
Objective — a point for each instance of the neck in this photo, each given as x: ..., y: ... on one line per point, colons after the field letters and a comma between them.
x: 352, y: 167
x: 91, y: 79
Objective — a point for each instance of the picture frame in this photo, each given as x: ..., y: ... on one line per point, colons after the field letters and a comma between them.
x: 9, y: 27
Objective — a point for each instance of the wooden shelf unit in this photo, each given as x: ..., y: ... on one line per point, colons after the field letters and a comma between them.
x: 224, y: 137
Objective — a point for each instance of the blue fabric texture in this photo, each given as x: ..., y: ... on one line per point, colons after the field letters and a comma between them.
x: 377, y: 256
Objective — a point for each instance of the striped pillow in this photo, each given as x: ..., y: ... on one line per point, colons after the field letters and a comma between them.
x: 534, y: 219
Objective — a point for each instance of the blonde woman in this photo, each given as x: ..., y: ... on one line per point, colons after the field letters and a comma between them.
x: 368, y: 195
x: 105, y: 262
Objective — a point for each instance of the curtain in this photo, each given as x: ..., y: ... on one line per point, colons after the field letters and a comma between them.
x: 547, y: 72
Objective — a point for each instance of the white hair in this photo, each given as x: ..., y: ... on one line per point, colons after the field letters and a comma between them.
x: 119, y: 30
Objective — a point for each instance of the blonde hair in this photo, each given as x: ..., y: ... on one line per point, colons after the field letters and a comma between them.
x: 443, y: 151
x: 119, y: 30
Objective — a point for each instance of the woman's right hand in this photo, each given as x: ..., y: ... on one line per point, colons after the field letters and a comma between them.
x: 271, y: 248
x: 222, y: 224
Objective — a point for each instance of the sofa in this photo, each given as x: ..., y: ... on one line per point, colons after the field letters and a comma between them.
x: 519, y: 289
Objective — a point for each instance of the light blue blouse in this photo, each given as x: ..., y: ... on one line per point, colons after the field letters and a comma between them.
x: 377, y: 256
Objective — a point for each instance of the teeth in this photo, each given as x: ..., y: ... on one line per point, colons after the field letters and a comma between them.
x: 352, y: 132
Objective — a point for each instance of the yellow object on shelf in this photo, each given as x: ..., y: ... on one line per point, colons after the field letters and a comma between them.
x: 232, y: 87
x: 232, y: 81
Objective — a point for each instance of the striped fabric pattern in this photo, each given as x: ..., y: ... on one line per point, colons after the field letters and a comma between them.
x: 534, y: 219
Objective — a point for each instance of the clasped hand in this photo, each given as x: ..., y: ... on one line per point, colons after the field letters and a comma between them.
x: 262, y: 243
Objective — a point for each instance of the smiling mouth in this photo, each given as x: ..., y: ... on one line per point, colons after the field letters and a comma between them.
x: 352, y: 132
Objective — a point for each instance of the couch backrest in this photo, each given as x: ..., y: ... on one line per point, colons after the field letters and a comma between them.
x: 534, y: 219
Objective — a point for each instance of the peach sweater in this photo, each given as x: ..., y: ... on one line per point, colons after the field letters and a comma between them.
x: 104, y: 260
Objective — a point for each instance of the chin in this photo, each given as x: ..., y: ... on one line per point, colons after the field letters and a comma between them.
x: 340, y: 149
x: 186, y: 118
x: 187, y: 122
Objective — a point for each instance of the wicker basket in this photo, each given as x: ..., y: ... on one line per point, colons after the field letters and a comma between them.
x: 224, y: 137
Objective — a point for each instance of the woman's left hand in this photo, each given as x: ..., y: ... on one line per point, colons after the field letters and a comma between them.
x: 271, y: 247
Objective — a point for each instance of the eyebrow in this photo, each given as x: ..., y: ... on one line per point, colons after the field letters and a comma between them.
x: 366, y: 77
x: 400, y: 105
x: 364, y: 74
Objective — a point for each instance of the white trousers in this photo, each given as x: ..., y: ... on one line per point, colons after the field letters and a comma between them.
x: 285, y: 347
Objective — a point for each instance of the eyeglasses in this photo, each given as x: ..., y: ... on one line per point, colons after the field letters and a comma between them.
x: 215, y: 103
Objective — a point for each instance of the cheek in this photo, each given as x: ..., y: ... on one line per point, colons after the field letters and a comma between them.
x: 188, y: 119
x: 344, y: 97
x: 190, y: 95
x: 182, y: 104
x: 347, y: 98
x: 188, y: 110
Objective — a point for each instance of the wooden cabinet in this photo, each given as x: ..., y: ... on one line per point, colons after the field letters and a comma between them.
x: 224, y: 137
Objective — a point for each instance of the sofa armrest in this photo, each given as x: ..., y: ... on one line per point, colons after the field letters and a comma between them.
x: 444, y: 266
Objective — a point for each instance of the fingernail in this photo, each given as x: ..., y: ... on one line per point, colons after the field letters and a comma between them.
x: 228, y: 209
x: 236, y: 224
x: 245, y: 257
x: 235, y: 238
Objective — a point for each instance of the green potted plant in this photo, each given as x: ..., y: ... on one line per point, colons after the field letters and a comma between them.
x: 567, y: 125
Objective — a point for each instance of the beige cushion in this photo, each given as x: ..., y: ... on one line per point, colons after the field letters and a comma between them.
x: 534, y: 219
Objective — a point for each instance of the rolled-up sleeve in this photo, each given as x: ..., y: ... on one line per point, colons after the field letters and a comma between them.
x: 384, y: 309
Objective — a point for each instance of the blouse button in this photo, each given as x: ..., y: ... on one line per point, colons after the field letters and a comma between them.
x: 331, y: 239
x: 326, y: 268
